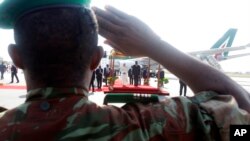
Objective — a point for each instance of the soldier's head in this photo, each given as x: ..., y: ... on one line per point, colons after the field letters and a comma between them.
x: 56, y: 44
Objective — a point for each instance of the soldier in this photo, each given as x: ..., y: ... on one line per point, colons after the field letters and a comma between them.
x: 50, y: 35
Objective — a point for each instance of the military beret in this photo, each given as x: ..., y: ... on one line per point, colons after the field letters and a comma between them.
x: 11, y: 10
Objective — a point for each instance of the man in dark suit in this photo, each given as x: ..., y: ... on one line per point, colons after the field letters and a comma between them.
x: 14, y: 74
x: 131, y: 77
x: 99, y: 74
x: 136, y: 69
x: 183, y: 87
x: 92, y: 82
x: 2, y: 70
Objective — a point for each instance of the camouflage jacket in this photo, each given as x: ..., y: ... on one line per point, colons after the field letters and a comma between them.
x: 66, y: 114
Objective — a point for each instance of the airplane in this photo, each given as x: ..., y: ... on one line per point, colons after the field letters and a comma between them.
x: 218, y: 52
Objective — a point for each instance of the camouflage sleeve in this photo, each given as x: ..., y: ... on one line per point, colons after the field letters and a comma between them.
x: 200, y: 117
x: 224, y: 110
x: 178, y: 118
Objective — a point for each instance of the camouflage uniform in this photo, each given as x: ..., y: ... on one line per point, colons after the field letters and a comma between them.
x: 53, y: 114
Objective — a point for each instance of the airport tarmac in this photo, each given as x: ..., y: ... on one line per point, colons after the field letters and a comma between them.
x: 11, y: 98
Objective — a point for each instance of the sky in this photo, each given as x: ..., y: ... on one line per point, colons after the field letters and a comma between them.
x: 189, y: 25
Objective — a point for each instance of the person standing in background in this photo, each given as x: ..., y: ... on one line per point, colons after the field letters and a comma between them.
x: 145, y: 76
x: 161, y: 76
x: 99, y: 75
x: 131, y: 76
x: 2, y: 70
x: 136, y: 69
x: 140, y: 77
x: 183, y: 87
x: 92, y: 82
x: 107, y: 71
x: 124, y: 75
x: 14, y: 74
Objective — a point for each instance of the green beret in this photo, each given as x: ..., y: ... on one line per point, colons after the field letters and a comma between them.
x: 11, y: 10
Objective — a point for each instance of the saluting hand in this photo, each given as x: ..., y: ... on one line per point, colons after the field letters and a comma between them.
x: 125, y: 33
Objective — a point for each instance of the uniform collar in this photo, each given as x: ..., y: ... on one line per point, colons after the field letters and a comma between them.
x: 51, y: 92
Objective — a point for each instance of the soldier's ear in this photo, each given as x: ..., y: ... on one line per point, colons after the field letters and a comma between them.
x: 15, y: 55
x: 96, y: 57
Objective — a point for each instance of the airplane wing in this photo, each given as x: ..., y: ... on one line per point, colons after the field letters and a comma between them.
x: 218, y: 50
x: 235, y: 56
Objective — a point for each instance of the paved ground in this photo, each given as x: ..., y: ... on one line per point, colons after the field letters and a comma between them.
x: 10, y: 98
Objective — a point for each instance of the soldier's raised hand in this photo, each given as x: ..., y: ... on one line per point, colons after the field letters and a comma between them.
x: 124, y: 32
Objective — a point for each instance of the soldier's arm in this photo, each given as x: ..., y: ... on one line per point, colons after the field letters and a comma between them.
x: 131, y: 36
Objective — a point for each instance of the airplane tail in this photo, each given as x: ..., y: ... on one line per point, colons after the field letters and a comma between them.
x: 225, y: 41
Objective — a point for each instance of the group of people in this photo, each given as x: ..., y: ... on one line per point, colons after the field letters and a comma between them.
x: 13, y: 69
x: 56, y: 47
x: 133, y: 73
x: 100, y: 75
